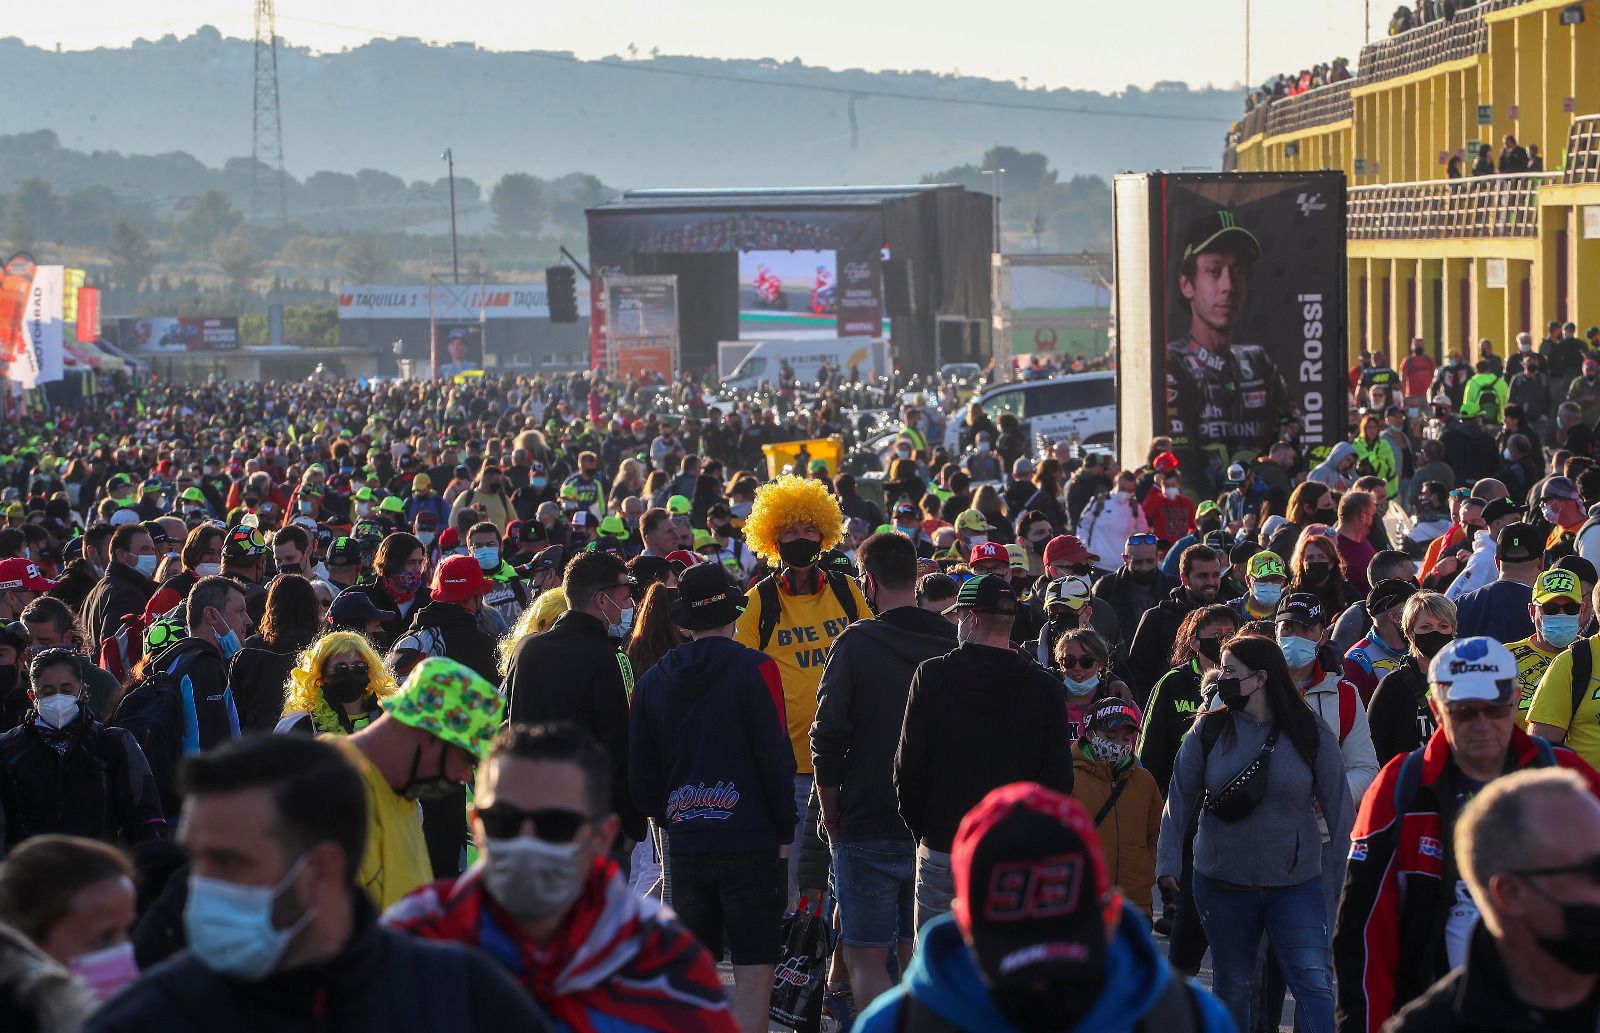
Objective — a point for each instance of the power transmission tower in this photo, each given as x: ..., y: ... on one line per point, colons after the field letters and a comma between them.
x: 266, y: 168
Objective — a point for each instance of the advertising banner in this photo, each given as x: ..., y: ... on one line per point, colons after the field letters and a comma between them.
x: 462, y: 303
x: 15, y: 279
x: 87, y: 329
x: 642, y: 325
x: 1230, y: 315
x: 43, y: 356
x: 615, y: 236
x: 457, y: 349
x: 860, y: 294
x: 180, y: 334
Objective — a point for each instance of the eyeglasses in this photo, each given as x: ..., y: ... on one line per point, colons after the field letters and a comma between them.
x: 1589, y: 866
x: 1569, y: 609
x: 1465, y: 715
x: 1086, y: 663
x: 551, y: 824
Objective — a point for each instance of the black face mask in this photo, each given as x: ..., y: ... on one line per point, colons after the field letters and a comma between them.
x: 344, y: 687
x: 1578, y: 946
x: 1208, y: 525
x: 1429, y: 643
x: 1231, y: 692
x: 802, y: 552
x: 1210, y: 648
x: 1144, y: 577
x: 1316, y: 573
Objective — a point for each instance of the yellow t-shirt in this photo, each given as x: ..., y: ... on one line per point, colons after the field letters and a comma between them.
x: 396, y: 861
x: 1531, y: 662
x: 1552, y: 704
x: 807, y: 626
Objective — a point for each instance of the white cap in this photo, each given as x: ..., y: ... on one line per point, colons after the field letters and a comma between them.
x: 1477, y: 668
x: 1236, y: 473
x: 1071, y: 590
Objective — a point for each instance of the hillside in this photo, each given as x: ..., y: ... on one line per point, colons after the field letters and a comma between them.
x: 658, y: 121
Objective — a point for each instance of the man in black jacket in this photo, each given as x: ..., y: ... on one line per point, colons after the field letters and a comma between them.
x: 1200, y: 578
x: 82, y: 571
x: 126, y: 586
x: 861, y: 705
x: 1526, y: 846
x: 1137, y: 585
x: 979, y: 717
x: 574, y: 672
x: 285, y: 816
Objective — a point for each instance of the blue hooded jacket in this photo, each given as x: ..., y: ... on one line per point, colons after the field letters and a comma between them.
x: 945, y: 979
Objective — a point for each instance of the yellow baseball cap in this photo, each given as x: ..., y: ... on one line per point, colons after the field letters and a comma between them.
x: 1266, y: 564
x: 972, y: 520
x: 1557, y: 583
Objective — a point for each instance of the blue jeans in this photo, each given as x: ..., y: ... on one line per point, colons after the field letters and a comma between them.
x: 1295, y: 921
x: 874, y: 881
x: 802, y: 796
x: 936, y: 886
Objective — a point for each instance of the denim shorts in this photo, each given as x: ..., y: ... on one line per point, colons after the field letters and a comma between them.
x: 875, y: 882
x: 732, y: 900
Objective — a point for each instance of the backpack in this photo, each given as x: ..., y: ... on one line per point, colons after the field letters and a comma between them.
x: 772, y: 603
x: 414, y: 647
x: 152, y: 709
x: 1410, y: 780
x: 1582, y: 670
x: 121, y: 651
x: 1489, y: 402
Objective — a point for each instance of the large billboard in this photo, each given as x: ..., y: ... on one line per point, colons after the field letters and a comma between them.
x: 1230, y: 315
x: 179, y: 334
x: 642, y: 331
x: 458, y: 349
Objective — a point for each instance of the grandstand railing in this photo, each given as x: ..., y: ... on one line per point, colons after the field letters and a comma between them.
x: 1446, y: 209
x: 1463, y: 35
x: 1318, y: 107
x: 1583, y: 150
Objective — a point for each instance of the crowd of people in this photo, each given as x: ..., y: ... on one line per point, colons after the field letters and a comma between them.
x: 525, y: 702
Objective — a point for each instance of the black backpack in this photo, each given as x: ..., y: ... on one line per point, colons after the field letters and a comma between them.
x: 152, y: 710
x: 772, y: 603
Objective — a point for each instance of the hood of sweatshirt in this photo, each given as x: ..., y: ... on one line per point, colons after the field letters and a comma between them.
x: 945, y: 978
x: 908, y: 633
x: 1329, y: 467
x: 692, y: 668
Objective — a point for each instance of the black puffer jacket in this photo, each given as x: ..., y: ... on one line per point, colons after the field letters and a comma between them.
x: 122, y: 591
x: 977, y: 718
x: 257, y: 675
x: 1150, y: 652
x: 381, y: 981
x: 97, y: 786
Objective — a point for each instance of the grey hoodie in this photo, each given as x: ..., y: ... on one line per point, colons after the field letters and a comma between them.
x: 1327, y: 471
x: 1280, y: 842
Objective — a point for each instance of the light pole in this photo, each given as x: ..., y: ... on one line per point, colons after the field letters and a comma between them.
x: 1247, y: 86
x: 455, y: 261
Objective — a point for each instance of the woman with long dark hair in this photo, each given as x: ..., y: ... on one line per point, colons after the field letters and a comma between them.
x: 1255, y: 771
x: 1047, y: 495
x: 653, y: 631
x: 400, y: 569
x: 261, y: 668
x: 1310, y: 503
x: 1316, y: 567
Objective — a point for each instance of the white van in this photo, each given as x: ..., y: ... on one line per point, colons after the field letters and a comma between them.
x: 868, y: 355
x: 1081, y: 405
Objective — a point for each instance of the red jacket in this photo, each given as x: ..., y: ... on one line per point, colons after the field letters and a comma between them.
x: 1399, y: 885
x: 1170, y: 519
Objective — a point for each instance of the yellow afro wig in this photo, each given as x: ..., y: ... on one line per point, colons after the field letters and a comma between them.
x: 787, y: 501
x: 535, y: 620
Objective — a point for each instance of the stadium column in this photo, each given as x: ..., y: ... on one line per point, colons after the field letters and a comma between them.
x: 1585, y: 271
x: 1502, y: 66
x: 1548, y: 288
x: 1377, y: 302
x: 1429, y: 272
x: 1488, y: 308
x: 1439, y: 142
x: 1402, y: 273
x: 1529, y: 125
x: 1453, y: 328
x: 1552, y: 139
x: 1585, y: 87
x: 1355, y: 287
x: 1518, y: 272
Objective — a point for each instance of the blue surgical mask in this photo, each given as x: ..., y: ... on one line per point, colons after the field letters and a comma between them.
x: 228, y: 642
x: 540, y: 482
x: 1559, y: 629
x: 230, y: 927
x: 1267, y: 593
x: 425, y: 537
x: 1080, y: 688
x: 488, y: 557
x: 1297, y: 652
x: 146, y: 565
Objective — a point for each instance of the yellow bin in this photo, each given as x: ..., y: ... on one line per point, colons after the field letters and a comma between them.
x: 783, y: 454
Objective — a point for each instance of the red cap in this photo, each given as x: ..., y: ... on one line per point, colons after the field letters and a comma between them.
x: 681, y: 560
x: 1067, y: 548
x: 449, y: 538
x: 20, y: 573
x: 989, y: 552
x: 1165, y: 461
x: 457, y: 579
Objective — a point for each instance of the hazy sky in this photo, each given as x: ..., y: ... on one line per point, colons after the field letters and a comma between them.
x: 1092, y: 44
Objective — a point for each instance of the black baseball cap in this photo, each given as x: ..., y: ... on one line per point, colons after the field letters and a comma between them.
x: 1499, y: 508
x: 1389, y: 593
x: 344, y: 552
x: 1520, y: 543
x: 1579, y: 566
x: 1023, y: 834
x: 706, y: 599
x: 1302, y: 608
x: 986, y: 593
x: 353, y: 611
x: 1220, y: 231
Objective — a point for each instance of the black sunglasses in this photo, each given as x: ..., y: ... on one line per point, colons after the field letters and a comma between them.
x: 1069, y: 663
x: 551, y: 824
x: 1589, y: 867
x: 1553, y: 608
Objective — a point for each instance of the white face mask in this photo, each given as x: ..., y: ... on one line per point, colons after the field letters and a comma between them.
x: 57, y: 710
x: 531, y: 878
x: 1170, y: 492
x: 977, y: 540
x: 208, y: 569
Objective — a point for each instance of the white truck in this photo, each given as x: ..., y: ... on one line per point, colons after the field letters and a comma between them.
x: 868, y: 357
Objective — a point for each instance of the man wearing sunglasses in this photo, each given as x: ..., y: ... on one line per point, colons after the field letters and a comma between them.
x: 1406, y: 917
x: 547, y: 901
x: 1529, y: 847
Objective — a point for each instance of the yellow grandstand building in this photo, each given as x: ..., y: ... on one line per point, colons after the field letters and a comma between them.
x: 1453, y: 261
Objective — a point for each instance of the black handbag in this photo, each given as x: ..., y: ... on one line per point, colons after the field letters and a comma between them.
x: 1244, y: 791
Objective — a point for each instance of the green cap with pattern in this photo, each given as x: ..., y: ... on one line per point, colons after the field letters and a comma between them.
x: 451, y: 702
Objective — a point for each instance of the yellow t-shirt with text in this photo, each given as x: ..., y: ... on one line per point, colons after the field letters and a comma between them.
x: 807, y: 626
x: 1552, y: 704
x: 1531, y: 664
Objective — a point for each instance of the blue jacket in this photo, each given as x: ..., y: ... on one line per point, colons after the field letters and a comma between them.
x: 945, y: 979
x: 708, y: 750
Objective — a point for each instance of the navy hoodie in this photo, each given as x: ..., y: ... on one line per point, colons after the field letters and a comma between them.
x: 708, y: 750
